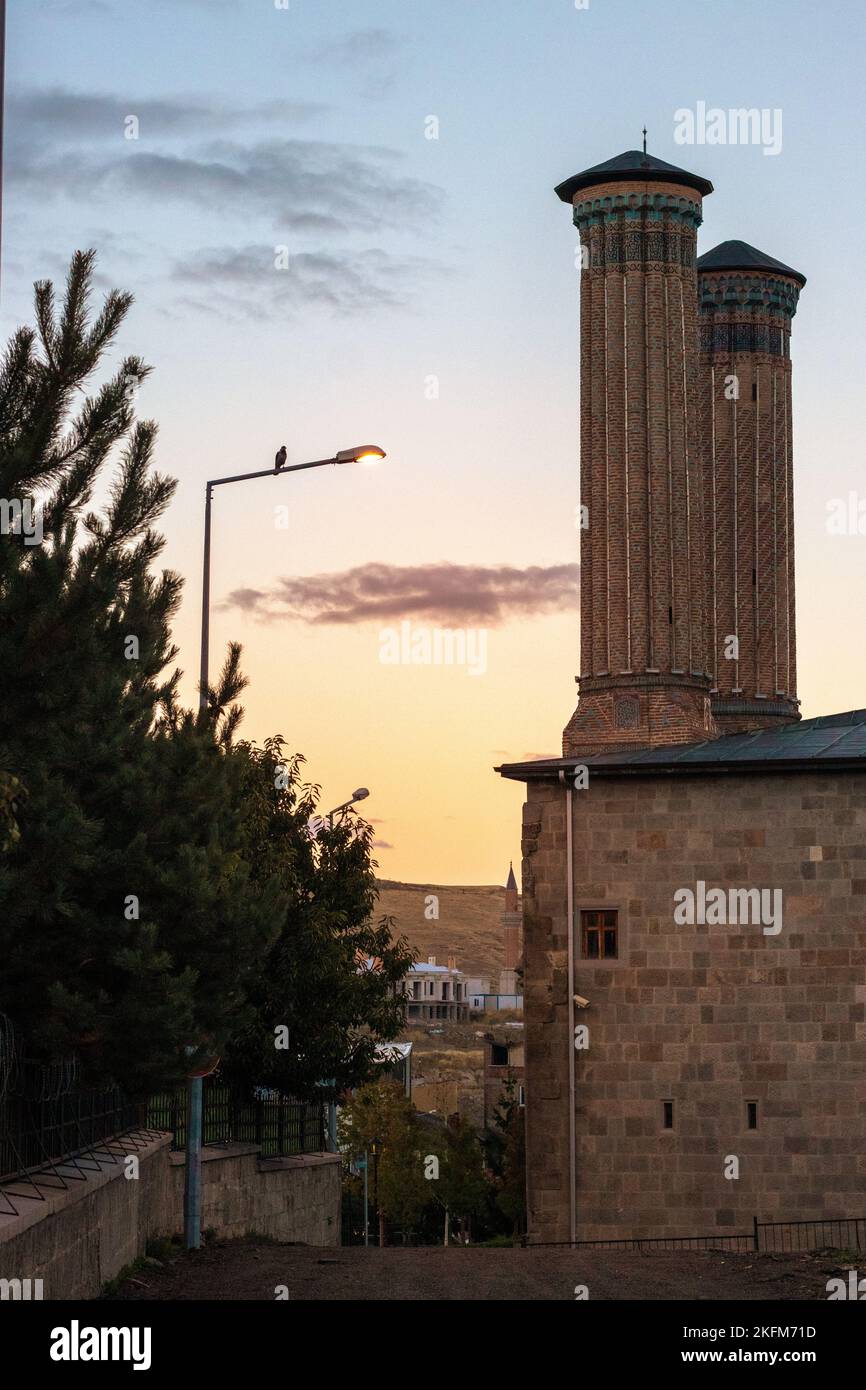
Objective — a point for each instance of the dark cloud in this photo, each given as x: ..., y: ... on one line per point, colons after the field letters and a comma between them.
x: 359, y: 46
x: 63, y: 113
x: 106, y: 8
x: 294, y: 184
x: 245, y: 283
x: 455, y: 594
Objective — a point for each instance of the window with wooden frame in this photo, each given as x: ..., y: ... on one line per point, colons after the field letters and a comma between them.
x: 599, y: 934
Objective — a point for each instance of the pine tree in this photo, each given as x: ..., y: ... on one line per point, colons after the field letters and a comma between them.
x: 127, y: 912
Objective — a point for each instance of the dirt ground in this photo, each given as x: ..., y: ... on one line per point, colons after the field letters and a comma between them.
x: 251, y: 1269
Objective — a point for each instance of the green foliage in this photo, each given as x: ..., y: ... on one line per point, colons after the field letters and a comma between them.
x: 157, y: 892
x: 332, y: 975
x: 463, y: 1188
x: 381, y: 1116
x: 507, y: 1157
x: 11, y: 792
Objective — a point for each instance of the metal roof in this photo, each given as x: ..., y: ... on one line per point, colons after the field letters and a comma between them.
x: 739, y: 255
x: 422, y: 967
x: 635, y: 167
x: 829, y: 742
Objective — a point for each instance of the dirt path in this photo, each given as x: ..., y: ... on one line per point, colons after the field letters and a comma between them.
x: 251, y: 1269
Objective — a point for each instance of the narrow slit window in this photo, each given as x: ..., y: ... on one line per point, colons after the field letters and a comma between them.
x: 667, y: 1114
x: 751, y: 1114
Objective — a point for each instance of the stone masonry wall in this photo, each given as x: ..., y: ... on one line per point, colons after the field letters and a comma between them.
x: 707, y: 1016
x: 79, y: 1239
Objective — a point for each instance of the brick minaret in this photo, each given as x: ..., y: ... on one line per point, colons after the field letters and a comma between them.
x: 643, y: 665
x: 511, y: 922
x: 747, y: 302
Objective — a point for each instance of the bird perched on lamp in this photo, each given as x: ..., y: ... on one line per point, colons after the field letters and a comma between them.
x: 280, y: 460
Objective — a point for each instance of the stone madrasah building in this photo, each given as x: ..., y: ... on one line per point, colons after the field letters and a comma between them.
x: 694, y: 865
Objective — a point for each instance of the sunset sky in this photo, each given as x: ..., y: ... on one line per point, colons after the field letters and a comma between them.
x: 429, y: 305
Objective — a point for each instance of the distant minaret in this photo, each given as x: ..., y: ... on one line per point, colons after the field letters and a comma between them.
x: 747, y: 302
x: 511, y: 922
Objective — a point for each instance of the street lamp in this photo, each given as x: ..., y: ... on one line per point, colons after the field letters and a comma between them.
x: 360, y: 453
x: 360, y: 795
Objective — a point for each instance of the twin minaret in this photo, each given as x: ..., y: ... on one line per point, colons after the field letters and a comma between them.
x: 687, y: 551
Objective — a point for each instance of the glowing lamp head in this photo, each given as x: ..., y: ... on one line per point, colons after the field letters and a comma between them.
x: 361, y: 453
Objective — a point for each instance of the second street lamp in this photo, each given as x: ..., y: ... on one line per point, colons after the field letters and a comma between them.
x: 360, y: 795
x: 360, y: 453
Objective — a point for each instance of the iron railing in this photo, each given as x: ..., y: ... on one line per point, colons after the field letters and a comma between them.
x: 278, y: 1124
x: 774, y: 1237
x: 45, y: 1117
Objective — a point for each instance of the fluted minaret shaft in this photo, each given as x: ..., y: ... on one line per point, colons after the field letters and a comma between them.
x: 644, y: 665
x: 745, y: 328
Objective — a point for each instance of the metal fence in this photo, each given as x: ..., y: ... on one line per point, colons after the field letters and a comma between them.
x: 277, y: 1124
x: 45, y: 1117
x: 779, y: 1237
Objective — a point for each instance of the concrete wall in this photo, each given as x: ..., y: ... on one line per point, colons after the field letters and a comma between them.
x: 293, y: 1199
x: 80, y: 1238
x: 708, y: 1016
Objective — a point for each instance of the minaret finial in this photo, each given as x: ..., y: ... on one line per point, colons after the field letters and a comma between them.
x: 644, y: 139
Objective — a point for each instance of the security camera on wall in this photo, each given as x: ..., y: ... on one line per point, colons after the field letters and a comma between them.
x: 581, y: 1002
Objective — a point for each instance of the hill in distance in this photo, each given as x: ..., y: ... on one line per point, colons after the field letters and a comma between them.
x: 469, y: 926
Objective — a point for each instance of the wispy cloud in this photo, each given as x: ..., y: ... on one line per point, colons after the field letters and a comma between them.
x: 442, y: 592
x: 245, y: 283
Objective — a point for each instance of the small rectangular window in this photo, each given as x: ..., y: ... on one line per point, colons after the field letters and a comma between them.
x: 751, y: 1114
x: 754, y: 390
x: 599, y: 935
x: 667, y: 1114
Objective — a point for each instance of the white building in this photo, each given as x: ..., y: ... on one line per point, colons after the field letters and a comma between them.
x: 435, y: 991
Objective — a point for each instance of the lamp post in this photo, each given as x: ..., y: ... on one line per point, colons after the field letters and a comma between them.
x: 360, y: 795
x: 375, y: 1149
x: 366, y: 1198
x: 360, y: 453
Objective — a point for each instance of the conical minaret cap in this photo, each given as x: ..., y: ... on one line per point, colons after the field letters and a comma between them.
x: 629, y: 167
x: 739, y: 255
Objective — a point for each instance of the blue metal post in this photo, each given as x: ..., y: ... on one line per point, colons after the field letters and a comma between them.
x: 332, y: 1126
x: 192, y: 1180
x: 366, y: 1202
